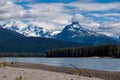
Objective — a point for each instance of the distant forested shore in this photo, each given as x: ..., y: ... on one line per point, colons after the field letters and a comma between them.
x: 16, y: 54
x: 90, y: 51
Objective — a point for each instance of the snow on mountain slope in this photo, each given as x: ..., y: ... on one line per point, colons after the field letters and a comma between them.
x: 14, y: 26
x: 29, y: 30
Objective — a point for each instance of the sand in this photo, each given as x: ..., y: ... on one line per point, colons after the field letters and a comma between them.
x: 106, y: 75
x: 29, y: 71
x: 12, y: 73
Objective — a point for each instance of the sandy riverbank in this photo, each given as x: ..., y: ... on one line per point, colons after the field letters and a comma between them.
x: 44, y: 72
x: 12, y: 73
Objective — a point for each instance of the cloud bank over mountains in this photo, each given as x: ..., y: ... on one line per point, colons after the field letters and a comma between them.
x: 101, y: 17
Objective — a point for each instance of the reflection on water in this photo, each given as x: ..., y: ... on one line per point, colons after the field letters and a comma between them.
x: 88, y: 63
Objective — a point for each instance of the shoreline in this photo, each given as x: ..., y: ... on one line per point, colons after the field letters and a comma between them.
x: 106, y: 75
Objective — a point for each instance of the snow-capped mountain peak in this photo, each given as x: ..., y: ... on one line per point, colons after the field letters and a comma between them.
x: 14, y: 25
x: 76, y: 29
x: 35, y: 31
x: 77, y: 33
x: 76, y: 24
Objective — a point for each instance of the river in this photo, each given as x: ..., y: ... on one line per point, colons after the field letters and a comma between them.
x: 106, y: 64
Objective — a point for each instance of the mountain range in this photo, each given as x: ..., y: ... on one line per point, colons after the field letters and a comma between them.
x: 11, y: 41
x: 73, y: 32
x: 28, y: 30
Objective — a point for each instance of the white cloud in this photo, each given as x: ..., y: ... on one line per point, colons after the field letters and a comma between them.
x: 79, y: 18
x: 110, y: 29
x: 95, y: 6
x: 9, y: 10
x: 86, y: 22
x: 106, y: 15
x: 54, y: 12
x: 22, y: 0
x: 86, y: 1
x: 48, y: 26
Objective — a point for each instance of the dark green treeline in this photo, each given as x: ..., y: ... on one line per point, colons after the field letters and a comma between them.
x: 100, y: 51
x: 12, y: 54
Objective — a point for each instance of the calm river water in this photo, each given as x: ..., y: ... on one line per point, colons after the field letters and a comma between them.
x: 107, y: 64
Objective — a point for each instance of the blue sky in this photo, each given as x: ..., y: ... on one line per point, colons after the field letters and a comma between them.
x: 56, y: 14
